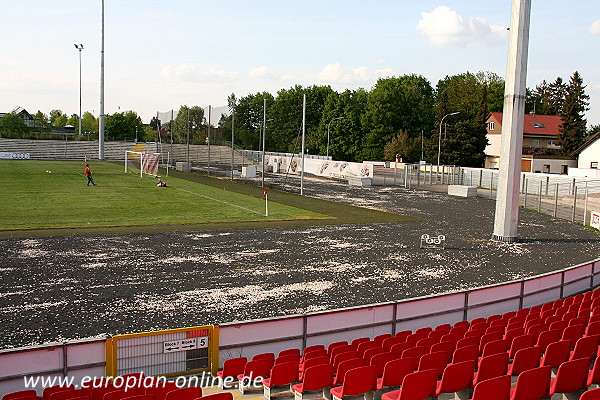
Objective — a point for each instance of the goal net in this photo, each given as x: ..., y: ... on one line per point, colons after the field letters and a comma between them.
x: 145, y: 163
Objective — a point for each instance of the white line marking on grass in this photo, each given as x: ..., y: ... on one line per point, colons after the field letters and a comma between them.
x: 220, y: 201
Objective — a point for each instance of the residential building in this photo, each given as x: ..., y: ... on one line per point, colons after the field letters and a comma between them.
x: 540, y: 135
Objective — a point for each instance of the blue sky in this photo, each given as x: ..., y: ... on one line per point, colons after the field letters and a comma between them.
x: 160, y: 55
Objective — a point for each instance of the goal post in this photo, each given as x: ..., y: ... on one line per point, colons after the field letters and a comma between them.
x: 146, y: 163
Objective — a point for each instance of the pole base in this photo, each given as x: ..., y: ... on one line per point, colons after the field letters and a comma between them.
x: 505, y: 239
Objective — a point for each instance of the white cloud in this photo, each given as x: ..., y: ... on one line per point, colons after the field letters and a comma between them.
x: 191, y: 73
x: 261, y: 72
x: 336, y: 73
x: 595, y: 28
x: 444, y: 26
x: 384, y: 72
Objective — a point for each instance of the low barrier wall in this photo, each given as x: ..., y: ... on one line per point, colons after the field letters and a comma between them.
x: 88, y: 357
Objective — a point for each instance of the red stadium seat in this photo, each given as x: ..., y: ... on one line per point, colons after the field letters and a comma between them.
x: 49, y: 391
x: 466, y: 353
x: 337, y: 350
x: 217, y: 396
x: 289, y: 352
x: 231, y: 368
x: 520, y: 342
x: 547, y: 337
x: 349, y: 355
x: 367, y: 355
x: 594, y: 375
x: 434, y: 361
x: 314, y: 347
x: 468, y: 341
x: 160, y: 391
x: 356, y: 342
x: 313, y: 362
x: 394, y: 372
x: 587, y: 346
x: 427, y: 343
x: 379, y: 360
x: 280, y: 375
x: 98, y: 393
x: 525, y: 359
x: 414, y: 352
x: 447, y: 347
x: 403, y: 334
x: 570, y: 377
x: 345, y: 366
x: 20, y: 394
x: 252, y: 370
x: 389, y: 342
x: 593, y: 394
x: 187, y: 393
x: 456, y: 378
x: 334, y: 345
x: 493, y: 389
x: 416, y: 386
x: 265, y: 356
x: 491, y: 367
x: 556, y: 354
x: 318, y: 378
x: 122, y: 393
x: 380, y: 338
x: 415, y: 337
x: 495, y: 347
x: 573, y: 333
x: 357, y: 382
x: 30, y: 397
x: 489, y: 337
x: 141, y: 397
x: 286, y: 359
x: 532, y: 385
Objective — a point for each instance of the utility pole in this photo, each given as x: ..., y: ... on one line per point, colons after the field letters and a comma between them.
x: 80, y: 48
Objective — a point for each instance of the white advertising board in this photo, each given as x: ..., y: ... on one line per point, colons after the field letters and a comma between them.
x: 595, y: 219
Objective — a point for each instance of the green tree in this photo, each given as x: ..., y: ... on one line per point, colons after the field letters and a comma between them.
x: 464, y: 135
x: 284, y: 131
x: 404, y: 147
x: 60, y: 120
x: 40, y: 121
x: 11, y: 125
x: 89, y: 123
x: 122, y: 126
x: 395, y: 104
x: 74, y: 121
x: 54, y: 115
x: 494, y: 86
x: 345, y: 135
x: 192, y: 117
x: 572, y: 132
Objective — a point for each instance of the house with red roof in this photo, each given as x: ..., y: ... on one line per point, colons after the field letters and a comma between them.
x: 540, y: 136
x: 588, y: 158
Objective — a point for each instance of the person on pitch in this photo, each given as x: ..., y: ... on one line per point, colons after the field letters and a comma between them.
x: 160, y: 182
x: 88, y: 174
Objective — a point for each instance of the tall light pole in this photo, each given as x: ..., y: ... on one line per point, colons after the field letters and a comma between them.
x: 328, y: 125
x: 101, y: 116
x: 80, y: 48
x: 440, y: 137
x: 506, y: 220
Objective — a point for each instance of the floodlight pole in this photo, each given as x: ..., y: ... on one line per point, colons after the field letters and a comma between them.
x: 232, y: 137
x: 440, y: 137
x: 263, y: 140
x: 328, y: 125
x: 101, y: 116
x: 303, y: 142
x: 80, y: 48
x: 506, y: 219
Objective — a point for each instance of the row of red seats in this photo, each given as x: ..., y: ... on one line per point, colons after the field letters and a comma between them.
x: 446, y: 339
x: 107, y: 391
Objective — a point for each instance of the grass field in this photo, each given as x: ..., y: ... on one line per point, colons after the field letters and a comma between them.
x: 32, y: 198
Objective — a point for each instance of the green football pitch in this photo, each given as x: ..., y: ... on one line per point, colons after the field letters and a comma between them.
x: 42, y: 195
x: 46, y: 196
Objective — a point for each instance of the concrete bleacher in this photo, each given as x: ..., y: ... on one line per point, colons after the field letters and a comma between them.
x: 220, y: 156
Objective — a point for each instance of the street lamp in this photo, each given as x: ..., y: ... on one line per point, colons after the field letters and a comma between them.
x: 440, y: 137
x: 79, y: 47
x: 328, y: 125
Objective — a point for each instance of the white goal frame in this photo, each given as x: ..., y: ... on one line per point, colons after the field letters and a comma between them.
x: 148, y: 162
